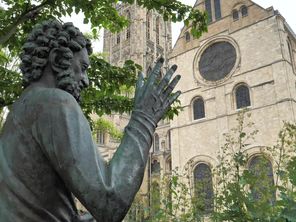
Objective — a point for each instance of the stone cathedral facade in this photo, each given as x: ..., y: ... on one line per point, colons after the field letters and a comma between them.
x: 247, y: 59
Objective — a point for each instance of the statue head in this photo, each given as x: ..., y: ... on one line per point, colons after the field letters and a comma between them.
x: 59, y: 46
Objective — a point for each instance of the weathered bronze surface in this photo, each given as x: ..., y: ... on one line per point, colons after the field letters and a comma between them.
x: 46, y: 149
x: 217, y: 61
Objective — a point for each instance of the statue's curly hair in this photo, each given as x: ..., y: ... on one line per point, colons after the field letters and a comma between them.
x: 44, y: 37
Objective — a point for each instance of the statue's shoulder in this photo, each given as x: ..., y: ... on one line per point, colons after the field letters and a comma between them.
x: 52, y: 96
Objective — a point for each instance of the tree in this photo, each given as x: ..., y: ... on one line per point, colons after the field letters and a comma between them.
x: 19, y: 16
x: 247, y: 187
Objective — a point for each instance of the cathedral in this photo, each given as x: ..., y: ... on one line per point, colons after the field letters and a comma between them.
x: 245, y: 60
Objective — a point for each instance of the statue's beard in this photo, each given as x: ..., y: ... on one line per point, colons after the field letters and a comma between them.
x: 67, y: 82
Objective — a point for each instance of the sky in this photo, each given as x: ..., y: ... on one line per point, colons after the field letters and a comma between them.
x: 286, y: 8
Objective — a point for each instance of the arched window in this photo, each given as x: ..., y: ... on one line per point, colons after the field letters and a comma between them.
x: 263, y: 187
x: 118, y: 38
x: 100, y: 137
x: 203, y: 187
x: 157, y: 30
x: 148, y: 24
x: 244, y: 10
x: 290, y: 51
x: 128, y: 29
x: 156, y: 142
x: 155, y: 198
x: 169, y: 164
x: 162, y: 145
x: 169, y: 139
x: 187, y: 36
x: 114, y: 39
x: 242, y: 97
x: 217, y: 9
x: 208, y: 7
x: 198, y: 108
x: 155, y: 167
x: 235, y: 15
x: 291, y: 55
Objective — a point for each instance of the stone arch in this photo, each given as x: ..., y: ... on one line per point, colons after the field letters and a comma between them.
x: 191, y: 163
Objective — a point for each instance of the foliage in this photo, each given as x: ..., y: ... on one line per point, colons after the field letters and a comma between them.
x: 19, y: 16
x: 108, y: 84
x: 10, y: 79
x: 107, y: 126
x: 103, y: 96
x: 170, y: 200
x: 248, y: 193
x: 285, y: 161
x: 232, y: 195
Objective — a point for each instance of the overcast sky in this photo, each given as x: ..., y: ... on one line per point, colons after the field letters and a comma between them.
x: 286, y: 8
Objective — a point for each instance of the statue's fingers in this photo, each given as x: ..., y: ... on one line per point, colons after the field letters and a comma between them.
x: 166, y: 79
x: 155, y: 73
x: 172, y: 99
x: 171, y: 87
x: 139, y: 85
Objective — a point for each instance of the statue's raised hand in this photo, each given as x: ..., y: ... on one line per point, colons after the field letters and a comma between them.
x: 153, y: 99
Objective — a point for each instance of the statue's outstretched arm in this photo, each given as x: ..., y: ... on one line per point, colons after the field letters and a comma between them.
x: 151, y: 102
x: 63, y: 133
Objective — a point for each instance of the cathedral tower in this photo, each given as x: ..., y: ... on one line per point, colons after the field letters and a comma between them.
x: 147, y: 38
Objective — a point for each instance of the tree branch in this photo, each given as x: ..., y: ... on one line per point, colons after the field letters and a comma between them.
x: 11, y: 30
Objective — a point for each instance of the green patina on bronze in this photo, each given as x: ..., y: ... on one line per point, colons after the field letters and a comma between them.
x: 46, y: 149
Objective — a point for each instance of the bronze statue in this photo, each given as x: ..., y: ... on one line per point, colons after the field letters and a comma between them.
x: 46, y: 149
